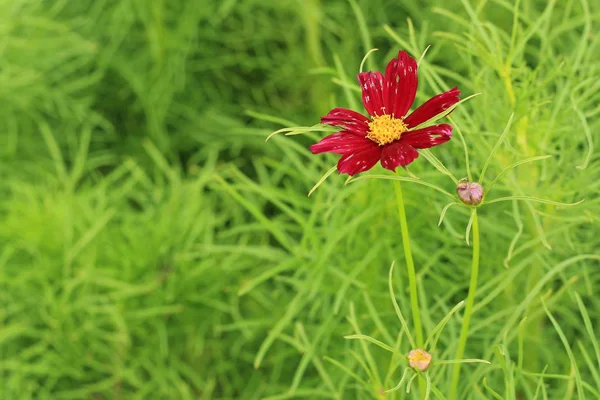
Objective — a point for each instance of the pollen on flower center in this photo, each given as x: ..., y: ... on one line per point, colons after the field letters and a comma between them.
x: 385, y: 129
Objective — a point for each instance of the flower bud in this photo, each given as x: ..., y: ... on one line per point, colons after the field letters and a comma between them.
x: 419, y: 359
x: 470, y: 193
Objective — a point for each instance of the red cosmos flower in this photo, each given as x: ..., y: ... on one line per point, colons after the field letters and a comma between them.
x: 389, y: 135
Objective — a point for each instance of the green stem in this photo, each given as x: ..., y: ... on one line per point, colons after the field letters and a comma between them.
x: 464, y: 332
x: 412, y: 277
x: 410, y: 266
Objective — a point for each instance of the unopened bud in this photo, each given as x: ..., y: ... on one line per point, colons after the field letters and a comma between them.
x: 419, y: 359
x: 470, y: 193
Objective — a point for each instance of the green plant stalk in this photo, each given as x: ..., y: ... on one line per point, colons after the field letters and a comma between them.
x: 412, y: 277
x: 464, y: 332
x: 410, y: 265
x: 533, y: 324
x: 312, y: 24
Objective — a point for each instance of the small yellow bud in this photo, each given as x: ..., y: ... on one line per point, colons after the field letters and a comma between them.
x: 419, y: 359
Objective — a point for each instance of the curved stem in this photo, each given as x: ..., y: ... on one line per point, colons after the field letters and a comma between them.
x: 410, y: 266
x: 464, y: 332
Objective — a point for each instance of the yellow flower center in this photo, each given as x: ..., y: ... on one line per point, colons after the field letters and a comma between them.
x: 385, y: 129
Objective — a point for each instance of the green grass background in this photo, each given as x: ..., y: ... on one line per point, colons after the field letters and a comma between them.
x: 152, y: 246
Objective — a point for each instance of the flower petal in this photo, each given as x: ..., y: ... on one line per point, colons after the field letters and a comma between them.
x: 427, y: 137
x: 397, y: 153
x: 349, y: 120
x: 371, y: 85
x: 354, y: 162
x: 433, y: 107
x: 341, y: 143
x: 401, y: 83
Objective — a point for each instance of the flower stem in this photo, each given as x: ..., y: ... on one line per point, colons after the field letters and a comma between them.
x: 410, y: 266
x: 412, y: 278
x: 464, y: 332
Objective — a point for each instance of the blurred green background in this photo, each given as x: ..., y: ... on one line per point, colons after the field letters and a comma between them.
x: 152, y: 246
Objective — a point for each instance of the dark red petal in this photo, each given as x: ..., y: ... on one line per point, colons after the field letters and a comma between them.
x: 427, y: 137
x: 349, y: 120
x: 341, y: 143
x: 363, y: 160
x: 397, y: 153
x: 433, y: 107
x: 371, y: 85
x: 401, y: 83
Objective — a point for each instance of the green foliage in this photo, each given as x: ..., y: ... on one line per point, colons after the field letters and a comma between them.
x: 152, y: 245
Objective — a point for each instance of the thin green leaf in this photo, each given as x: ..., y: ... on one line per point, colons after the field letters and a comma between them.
x: 300, y: 130
x: 409, y: 383
x: 270, y: 118
x: 433, y: 160
x: 423, y: 55
x: 399, y: 385
x: 403, y: 179
x: 348, y: 89
x: 375, y: 342
x: 469, y: 225
x: 441, y: 325
x: 363, y: 29
x: 538, y: 200
x: 492, y: 391
x: 346, y: 370
x: 465, y: 147
x: 565, y: 341
x: 362, y: 63
x: 589, y: 327
x: 463, y: 361
x: 496, y: 146
x: 588, y: 135
x: 521, y: 162
x: 540, y: 383
x: 444, y: 210
x: 323, y: 178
